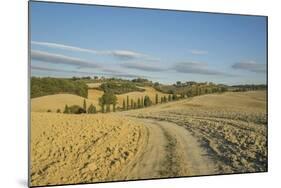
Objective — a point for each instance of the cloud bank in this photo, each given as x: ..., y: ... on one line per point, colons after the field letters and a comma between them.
x: 251, y: 66
x: 196, y: 68
x: 88, y: 73
x: 61, y: 59
x: 142, y: 67
x: 120, y: 54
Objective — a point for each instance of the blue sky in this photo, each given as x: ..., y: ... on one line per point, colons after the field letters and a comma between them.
x: 165, y: 46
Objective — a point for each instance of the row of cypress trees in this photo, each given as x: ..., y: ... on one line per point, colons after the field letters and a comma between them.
x: 76, y: 109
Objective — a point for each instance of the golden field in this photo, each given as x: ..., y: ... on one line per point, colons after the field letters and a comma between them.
x: 231, y: 126
x: 67, y: 149
x: 94, y: 94
x: 58, y: 101
x: 203, y: 135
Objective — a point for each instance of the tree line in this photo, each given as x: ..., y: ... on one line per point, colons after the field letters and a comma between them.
x: 108, y: 101
x: 48, y: 86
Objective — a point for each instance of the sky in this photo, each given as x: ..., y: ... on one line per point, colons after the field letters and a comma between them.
x: 164, y: 46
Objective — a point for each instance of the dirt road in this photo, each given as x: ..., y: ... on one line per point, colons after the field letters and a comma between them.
x: 170, y: 151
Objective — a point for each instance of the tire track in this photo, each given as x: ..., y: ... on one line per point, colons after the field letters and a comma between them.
x: 170, y: 151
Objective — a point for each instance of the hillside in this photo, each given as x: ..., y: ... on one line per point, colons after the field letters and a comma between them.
x: 57, y: 101
x: 231, y: 127
x: 208, y: 134
x: 49, y: 86
x: 94, y: 94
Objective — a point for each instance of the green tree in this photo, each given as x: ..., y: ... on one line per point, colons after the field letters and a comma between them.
x: 165, y: 99
x: 174, y: 97
x: 114, y: 102
x: 147, y: 102
x: 107, y: 107
x: 127, y: 102
x: 107, y: 99
x: 47, y: 86
x: 132, y: 103
x: 124, y: 105
x: 102, y: 103
x: 91, y: 109
x: 156, y: 98
x: 66, y: 109
x: 85, y: 105
x: 169, y: 98
x: 139, y: 103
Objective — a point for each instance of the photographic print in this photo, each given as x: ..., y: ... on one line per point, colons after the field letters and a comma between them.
x: 119, y: 93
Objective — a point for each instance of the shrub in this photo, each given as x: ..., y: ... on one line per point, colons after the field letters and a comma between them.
x: 92, y: 109
x: 76, y: 109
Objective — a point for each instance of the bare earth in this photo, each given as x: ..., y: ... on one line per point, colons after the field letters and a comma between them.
x: 210, y: 134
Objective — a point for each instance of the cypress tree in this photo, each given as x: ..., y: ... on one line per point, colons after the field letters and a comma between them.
x: 147, y: 101
x: 169, y: 98
x: 124, y: 105
x: 85, y: 106
x: 174, y: 97
x: 139, y: 103
x: 107, y: 107
x: 66, y: 109
x: 127, y: 102
x: 156, y: 98
x: 91, y: 109
x: 132, y: 104
x: 165, y: 99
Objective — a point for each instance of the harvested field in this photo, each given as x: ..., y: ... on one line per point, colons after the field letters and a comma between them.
x: 67, y: 149
x: 94, y: 94
x: 58, y: 101
x: 204, y: 135
x: 232, y: 127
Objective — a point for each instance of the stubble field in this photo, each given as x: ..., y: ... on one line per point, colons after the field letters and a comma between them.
x: 209, y: 134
